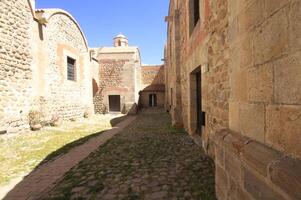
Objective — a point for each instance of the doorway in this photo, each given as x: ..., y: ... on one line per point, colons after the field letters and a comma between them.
x: 114, y: 103
x: 197, y: 116
x: 152, y: 100
x: 199, y: 113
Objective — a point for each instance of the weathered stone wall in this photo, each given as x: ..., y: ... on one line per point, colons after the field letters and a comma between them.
x: 247, y: 53
x: 62, y: 38
x: 34, y: 65
x: 173, y: 66
x: 15, y: 63
x: 265, y: 72
x: 144, y: 99
x: 152, y: 75
x: 153, y: 82
x: 119, y: 74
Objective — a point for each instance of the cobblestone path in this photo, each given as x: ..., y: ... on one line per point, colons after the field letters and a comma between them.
x: 147, y: 160
x: 46, y: 175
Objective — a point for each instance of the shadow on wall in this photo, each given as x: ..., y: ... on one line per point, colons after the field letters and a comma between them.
x: 156, y: 85
x: 45, y: 166
x: 95, y: 87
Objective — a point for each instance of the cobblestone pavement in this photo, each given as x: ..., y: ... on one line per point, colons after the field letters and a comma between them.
x: 148, y: 160
x: 46, y: 175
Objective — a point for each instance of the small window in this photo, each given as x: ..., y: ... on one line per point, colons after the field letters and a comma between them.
x: 194, y: 14
x: 71, y: 69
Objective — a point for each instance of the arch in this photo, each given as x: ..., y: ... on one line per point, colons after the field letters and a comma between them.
x: 49, y: 13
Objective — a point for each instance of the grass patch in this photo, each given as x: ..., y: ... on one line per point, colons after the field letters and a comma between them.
x: 21, y: 153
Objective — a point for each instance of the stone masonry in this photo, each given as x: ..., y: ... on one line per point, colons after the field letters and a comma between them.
x: 15, y: 63
x: 152, y: 82
x: 33, y: 59
x: 119, y: 74
x: 246, y: 56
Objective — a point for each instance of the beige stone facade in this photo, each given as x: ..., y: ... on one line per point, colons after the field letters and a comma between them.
x: 152, y: 92
x: 235, y: 66
x: 46, y: 66
x: 119, y: 76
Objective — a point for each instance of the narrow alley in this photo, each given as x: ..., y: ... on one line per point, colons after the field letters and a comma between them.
x: 146, y: 160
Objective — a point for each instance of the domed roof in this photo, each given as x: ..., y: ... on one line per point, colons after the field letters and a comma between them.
x: 121, y: 36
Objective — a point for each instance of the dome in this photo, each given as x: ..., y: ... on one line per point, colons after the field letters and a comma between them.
x: 121, y: 36
x: 121, y: 41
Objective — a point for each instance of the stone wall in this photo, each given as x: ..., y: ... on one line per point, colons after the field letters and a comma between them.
x: 15, y: 64
x: 68, y: 99
x: 265, y: 72
x: 152, y: 75
x: 153, y: 82
x: 119, y: 74
x: 33, y: 60
x: 173, y: 66
x: 247, y: 53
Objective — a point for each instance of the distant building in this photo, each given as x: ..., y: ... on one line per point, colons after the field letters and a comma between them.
x: 47, y: 66
x: 152, y: 92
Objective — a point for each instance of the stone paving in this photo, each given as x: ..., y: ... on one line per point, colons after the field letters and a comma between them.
x: 46, y: 175
x: 147, y: 160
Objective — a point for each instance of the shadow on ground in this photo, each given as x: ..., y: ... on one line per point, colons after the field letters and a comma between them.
x: 18, y: 191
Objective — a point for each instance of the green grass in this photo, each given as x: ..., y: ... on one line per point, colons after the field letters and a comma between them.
x: 21, y: 153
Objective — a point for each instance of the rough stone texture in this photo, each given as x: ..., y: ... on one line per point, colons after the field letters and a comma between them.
x: 119, y: 74
x: 283, y: 128
x: 15, y: 63
x: 152, y: 82
x: 34, y: 67
x: 259, y: 156
x: 247, y: 53
x: 137, y: 164
x: 152, y: 75
x: 287, y: 75
x: 247, y: 169
x: 68, y: 99
x: 258, y: 188
x: 288, y: 180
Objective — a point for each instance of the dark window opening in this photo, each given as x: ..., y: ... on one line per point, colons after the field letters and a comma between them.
x: 199, y: 100
x: 114, y: 103
x: 171, y: 97
x: 194, y: 14
x: 152, y: 100
x: 71, y: 69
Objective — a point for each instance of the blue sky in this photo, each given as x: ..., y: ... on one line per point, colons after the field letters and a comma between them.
x: 140, y: 20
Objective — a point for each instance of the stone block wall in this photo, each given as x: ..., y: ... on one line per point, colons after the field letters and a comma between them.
x: 15, y: 64
x: 248, y: 55
x: 33, y: 65
x: 119, y: 74
x: 152, y: 75
x: 264, y: 39
x: 247, y: 169
x: 68, y: 99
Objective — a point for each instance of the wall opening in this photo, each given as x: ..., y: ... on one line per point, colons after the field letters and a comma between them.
x: 152, y: 100
x: 197, y: 116
x: 71, y: 69
x: 114, y: 103
x: 194, y: 14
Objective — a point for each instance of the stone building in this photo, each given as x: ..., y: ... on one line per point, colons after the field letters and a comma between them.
x: 152, y: 92
x: 41, y: 70
x: 119, y: 77
x: 233, y: 81
x: 47, y: 66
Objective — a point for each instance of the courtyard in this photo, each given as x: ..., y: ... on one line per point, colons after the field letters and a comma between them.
x: 22, y: 153
x: 148, y: 159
